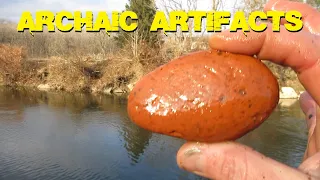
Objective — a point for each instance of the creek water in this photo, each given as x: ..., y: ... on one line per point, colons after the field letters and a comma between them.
x: 49, y: 135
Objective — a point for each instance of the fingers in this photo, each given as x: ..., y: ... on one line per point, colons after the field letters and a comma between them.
x: 312, y: 112
x: 300, y: 51
x: 232, y: 161
x: 310, y: 15
x: 311, y: 146
x: 312, y: 166
x: 308, y: 106
x: 316, y: 133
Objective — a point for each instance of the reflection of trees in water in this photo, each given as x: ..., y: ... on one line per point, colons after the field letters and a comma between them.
x: 15, y: 100
x: 135, y: 138
x: 112, y: 103
x: 11, y: 96
x: 75, y: 103
x: 283, y: 136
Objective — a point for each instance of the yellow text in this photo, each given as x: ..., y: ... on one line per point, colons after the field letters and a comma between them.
x: 215, y: 20
x: 76, y: 21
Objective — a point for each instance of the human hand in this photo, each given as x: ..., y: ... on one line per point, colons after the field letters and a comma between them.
x: 301, y: 52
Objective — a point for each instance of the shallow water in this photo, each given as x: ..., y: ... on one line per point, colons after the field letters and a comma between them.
x: 78, y: 136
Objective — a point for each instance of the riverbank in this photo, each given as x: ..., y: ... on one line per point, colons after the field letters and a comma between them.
x: 106, y: 74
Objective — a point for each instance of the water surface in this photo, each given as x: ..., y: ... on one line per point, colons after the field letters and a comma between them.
x: 80, y: 136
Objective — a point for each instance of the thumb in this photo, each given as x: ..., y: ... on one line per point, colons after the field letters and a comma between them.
x: 233, y: 161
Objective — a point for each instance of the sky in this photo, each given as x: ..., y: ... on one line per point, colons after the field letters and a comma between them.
x: 12, y: 9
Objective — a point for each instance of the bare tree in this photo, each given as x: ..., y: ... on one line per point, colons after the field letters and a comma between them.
x: 217, y: 5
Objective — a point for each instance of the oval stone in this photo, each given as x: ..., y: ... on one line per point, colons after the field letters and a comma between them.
x: 205, y: 96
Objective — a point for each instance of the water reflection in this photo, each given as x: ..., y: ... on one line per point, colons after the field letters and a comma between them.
x: 283, y: 136
x: 81, y: 136
x: 136, y: 140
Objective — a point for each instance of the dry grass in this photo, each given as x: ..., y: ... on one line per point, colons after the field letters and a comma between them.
x: 65, y: 74
x: 101, y: 71
x: 116, y: 72
x: 11, y: 59
x: 85, y: 62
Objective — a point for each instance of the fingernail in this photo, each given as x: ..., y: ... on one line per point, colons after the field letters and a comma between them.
x: 193, y: 160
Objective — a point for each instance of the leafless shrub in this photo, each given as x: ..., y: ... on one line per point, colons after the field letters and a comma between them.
x: 75, y: 61
x: 11, y: 58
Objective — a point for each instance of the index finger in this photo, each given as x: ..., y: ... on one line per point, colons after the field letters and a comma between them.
x: 300, y: 51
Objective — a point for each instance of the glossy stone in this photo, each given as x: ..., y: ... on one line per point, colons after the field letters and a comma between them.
x: 206, y: 96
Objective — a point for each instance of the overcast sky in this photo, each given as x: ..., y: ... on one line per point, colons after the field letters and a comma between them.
x: 12, y: 9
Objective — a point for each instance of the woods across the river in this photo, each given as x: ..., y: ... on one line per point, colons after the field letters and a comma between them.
x: 96, y: 62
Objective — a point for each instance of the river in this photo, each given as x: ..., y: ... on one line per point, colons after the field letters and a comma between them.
x: 80, y: 136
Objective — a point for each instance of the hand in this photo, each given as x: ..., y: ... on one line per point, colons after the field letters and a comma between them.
x: 301, y: 52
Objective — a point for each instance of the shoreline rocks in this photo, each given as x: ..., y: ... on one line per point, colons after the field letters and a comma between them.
x: 288, y: 93
x: 44, y: 87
